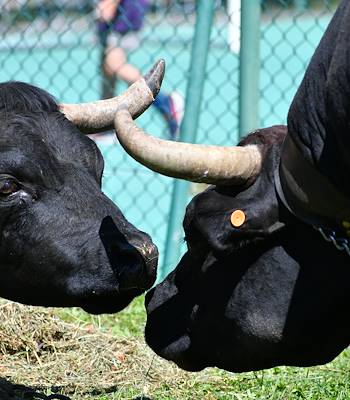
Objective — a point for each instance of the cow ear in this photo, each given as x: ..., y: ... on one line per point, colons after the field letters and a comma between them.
x: 321, y: 106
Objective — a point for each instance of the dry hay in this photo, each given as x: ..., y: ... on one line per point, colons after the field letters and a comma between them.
x: 39, y: 349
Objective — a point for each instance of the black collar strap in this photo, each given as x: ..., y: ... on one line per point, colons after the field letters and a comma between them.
x: 308, y: 194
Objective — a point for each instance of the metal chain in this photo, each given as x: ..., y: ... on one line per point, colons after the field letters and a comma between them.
x: 340, y: 243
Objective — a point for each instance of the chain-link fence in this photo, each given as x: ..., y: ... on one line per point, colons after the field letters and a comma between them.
x: 53, y: 44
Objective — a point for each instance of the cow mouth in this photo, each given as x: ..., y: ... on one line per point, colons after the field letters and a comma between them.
x: 180, y: 349
x: 110, y: 304
x: 132, y: 256
x: 134, y: 271
x: 168, y: 328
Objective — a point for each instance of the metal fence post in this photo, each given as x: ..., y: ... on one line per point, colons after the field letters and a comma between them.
x: 249, y: 66
x: 188, y: 130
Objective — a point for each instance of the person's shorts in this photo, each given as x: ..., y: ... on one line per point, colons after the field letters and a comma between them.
x: 129, y: 42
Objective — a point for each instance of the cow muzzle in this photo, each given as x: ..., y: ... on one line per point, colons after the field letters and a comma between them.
x: 135, y: 268
x: 133, y: 257
x: 149, y: 254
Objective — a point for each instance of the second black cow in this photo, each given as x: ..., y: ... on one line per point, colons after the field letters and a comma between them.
x: 273, y: 288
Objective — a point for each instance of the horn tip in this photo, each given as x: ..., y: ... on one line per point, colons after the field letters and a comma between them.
x: 155, y: 77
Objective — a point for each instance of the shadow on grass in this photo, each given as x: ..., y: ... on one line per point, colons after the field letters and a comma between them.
x: 142, y: 398
x: 10, y: 391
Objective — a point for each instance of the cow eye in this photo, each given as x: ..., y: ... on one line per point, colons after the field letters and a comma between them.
x: 8, y: 186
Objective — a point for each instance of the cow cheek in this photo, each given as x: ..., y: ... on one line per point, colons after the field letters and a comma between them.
x: 174, y: 350
x: 169, y: 312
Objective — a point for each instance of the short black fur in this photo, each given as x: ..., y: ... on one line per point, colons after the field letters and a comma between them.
x: 56, y: 248
x: 249, y: 298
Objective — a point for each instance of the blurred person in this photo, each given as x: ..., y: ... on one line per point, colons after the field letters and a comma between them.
x: 118, y: 26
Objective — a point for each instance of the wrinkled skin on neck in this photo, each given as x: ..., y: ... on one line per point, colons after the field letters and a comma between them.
x: 250, y: 298
x: 62, y: 241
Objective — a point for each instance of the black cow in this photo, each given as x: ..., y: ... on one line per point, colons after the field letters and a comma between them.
x: 269, y: 290
x: 62, y: 241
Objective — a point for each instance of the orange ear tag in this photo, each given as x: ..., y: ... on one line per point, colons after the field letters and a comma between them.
x: 237, y: 218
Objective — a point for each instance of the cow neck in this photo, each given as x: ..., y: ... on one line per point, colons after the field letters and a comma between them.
x: 308, y: 194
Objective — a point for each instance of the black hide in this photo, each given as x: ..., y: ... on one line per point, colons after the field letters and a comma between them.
x: 318, y: 119
x: 62, y: 241
x: 271, y: 292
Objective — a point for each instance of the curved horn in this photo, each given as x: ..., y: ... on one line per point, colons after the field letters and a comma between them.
x: 192, y: 162
x: 99, y: 115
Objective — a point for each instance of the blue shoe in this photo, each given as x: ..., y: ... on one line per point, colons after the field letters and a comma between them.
x: 172, y: 108
x: 177, y: 106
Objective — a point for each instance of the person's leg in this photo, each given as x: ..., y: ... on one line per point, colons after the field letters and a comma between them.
x: 116, y: 64
x: 108, y: 82
x: 170, y: 106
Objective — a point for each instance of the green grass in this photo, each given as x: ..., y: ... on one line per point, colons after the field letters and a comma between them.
x: 128, y: 323
x: 111, y: 355
x: 327, y: 382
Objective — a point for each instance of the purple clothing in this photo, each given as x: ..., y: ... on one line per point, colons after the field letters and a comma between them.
x: 129, y: 17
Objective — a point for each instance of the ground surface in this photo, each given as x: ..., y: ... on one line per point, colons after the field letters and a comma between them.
x: 105, y: 358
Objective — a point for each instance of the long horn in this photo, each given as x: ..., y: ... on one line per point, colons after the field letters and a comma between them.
x: 192, y: 162
x: 99, y: 115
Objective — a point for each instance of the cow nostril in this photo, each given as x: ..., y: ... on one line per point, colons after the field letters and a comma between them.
x: 130, y: 270
x: 126, y: 260
x: 129, y: 258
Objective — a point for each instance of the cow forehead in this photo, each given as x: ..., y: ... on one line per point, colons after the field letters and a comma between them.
x: 47, y: 139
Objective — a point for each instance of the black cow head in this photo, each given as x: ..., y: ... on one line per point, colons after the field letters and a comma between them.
x: 62, y: 241
x: 271, y: 290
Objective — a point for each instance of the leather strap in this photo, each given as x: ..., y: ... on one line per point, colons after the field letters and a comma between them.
x: 307, y: 193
